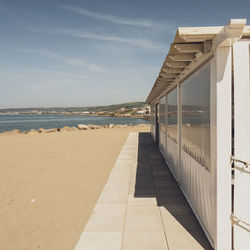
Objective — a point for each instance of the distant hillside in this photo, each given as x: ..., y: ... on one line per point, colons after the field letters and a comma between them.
x: 114, y: 107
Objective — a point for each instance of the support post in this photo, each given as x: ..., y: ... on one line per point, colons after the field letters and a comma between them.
x: 221, y: 146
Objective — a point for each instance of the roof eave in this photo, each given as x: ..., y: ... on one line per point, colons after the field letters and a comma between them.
x: 191, y: 47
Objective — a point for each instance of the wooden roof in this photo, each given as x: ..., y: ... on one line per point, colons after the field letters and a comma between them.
x: 191, y: 47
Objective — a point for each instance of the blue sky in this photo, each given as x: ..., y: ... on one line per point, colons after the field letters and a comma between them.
x: 89, y: 52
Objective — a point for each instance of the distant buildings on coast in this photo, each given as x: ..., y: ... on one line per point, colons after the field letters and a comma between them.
x: 140, y: 112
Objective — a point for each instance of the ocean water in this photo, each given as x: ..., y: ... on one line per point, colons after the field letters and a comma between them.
x: 27, y: 122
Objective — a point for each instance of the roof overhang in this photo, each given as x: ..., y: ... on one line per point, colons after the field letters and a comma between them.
x: 192, y: 47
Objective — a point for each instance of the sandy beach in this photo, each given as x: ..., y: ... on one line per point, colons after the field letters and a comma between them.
x: 50, y: 182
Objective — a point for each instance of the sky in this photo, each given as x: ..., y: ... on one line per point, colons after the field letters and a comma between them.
x: 58, y: 53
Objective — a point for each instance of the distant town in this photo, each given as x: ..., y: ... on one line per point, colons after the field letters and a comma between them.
x: 127, y: 110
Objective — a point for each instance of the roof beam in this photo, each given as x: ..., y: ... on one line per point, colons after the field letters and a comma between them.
x: 203, y: 47
x: 167, y: 76
x: 246, y: 31
x: 207, y: 46
x: 189, y: 47
x: 172, y: 75
x: 166, y: 80
x: 182, y: 57
x: 171, y: 71
x: 164, y: 85
x: 194, y: 31
x: 230, y: 34
x: 169, y: 80
x: 173, y: 64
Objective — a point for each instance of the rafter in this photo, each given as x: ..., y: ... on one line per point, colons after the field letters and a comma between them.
x: 171, y: 71
x: 182, y: 57
x: 189, y: 47
x: 173, y: 64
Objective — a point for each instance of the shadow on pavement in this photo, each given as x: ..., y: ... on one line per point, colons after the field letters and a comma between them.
x: 154, y: 179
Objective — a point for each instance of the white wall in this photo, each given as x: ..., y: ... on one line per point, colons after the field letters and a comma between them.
x: 242, y: 145
x: 209, y: 188
x: 221, y: 137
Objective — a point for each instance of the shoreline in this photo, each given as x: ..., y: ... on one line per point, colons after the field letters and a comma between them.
x: 79, y: 127
x: 116, y: 115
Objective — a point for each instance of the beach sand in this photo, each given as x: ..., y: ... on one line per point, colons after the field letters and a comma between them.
x: 49, y: 184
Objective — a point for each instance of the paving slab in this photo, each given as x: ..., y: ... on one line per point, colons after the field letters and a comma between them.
x: 143, y: 201
x: 141, y: 206
x: 113, y: 193
x: 144, y: 241
x: 117, y: 180
x: 99, y: 241
x: 107, y: 218
x: 143, y: 218
x: 178, y: 209
x: 180, y: 237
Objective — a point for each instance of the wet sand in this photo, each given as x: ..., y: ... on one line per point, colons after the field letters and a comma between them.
x: 49, y: 184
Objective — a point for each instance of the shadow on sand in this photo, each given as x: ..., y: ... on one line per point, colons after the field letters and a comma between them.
x: 154, y: 179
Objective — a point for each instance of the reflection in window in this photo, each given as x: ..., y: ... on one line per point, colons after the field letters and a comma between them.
x: 152, y: 113
x: 172, y: 115
x: 196, y: 116
x: 163, y: 114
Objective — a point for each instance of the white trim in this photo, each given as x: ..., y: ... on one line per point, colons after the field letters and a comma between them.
x: 223, y: 86
x: 179, y: 124
x: 241, y: 139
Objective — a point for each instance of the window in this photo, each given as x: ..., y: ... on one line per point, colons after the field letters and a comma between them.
x: 172, y: 115
x: 163, y: 114
x: 152, y: 113
x: 196, y: 116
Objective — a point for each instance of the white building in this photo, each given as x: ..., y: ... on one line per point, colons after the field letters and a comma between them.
x: 200, y: 117
x: 141, y: 112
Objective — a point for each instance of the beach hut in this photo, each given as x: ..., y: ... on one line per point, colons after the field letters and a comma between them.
x: 200, y: 118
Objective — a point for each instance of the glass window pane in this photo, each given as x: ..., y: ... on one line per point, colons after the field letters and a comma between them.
x: 152, y: 113
x: 172, y: 115
x: 196, y: 116
x: 163, y: 114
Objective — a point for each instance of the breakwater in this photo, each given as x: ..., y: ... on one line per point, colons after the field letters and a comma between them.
x: 25, y: 123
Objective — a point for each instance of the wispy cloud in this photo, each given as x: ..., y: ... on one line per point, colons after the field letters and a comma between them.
x: 140, y: 42
x: 146, y: 23
x: 75, y: 61
x: 35, y: 77
x: 127, y: 72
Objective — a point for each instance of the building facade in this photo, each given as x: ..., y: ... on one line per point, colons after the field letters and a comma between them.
x: 200, y: 118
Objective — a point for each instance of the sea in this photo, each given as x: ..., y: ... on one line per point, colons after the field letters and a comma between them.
x: 27, y: 122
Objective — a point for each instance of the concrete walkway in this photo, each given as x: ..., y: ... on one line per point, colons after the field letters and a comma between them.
x: 141, y: 207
